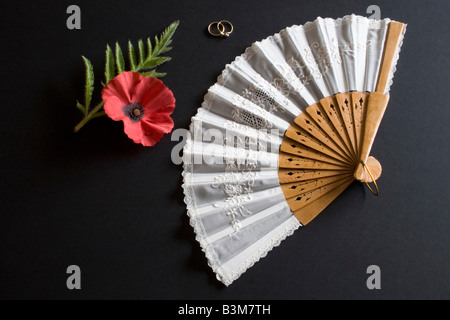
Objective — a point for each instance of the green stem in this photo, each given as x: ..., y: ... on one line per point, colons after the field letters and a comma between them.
x: 91, y: 115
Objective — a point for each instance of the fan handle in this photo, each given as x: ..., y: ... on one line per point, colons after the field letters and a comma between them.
x: 377, y: 104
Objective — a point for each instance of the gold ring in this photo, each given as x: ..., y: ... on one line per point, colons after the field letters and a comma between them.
x: 222, y: 28
x: 217, y: 28
x: 374, y: 182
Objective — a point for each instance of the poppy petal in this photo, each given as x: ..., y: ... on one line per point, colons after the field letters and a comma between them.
x: 153, y: 132
x: 163, y: 121
x: 122, y: 87
x: 133, y: 130
x: 113, y: 108
x: 154, y: 96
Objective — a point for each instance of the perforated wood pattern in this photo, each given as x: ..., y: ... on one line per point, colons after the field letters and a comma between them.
x: 322, y: 149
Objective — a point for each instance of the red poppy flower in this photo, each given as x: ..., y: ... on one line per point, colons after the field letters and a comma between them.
x: 143, y: 104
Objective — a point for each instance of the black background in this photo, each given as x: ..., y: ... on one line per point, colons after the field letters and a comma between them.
x: 97, y: 200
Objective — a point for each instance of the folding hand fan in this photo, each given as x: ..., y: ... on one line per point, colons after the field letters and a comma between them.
x: 298, y: 113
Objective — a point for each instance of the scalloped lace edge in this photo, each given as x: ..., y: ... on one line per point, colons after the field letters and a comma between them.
x: 394, y: 62
x: 226, y: 277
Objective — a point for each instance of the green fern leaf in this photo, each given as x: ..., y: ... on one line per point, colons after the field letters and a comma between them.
x: 119, y: 59
x: 166, y: 49
x: 150, y: 64
x: 81, y: 107
x: 149, y: 46
x: 132, y: 56
x: 89, y: 87
x: 166, y: 38
x: 141, y: 51
x: 110, y: 70
x: 154, y: 74
x: 161, y: 45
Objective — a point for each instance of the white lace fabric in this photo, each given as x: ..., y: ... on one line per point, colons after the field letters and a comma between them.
x: 233, y: 196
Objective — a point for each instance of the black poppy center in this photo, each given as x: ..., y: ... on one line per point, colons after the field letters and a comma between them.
x: 134, y: 111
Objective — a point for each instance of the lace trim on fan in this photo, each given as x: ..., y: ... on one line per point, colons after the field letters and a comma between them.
x: 246, y: 132
x: 250, y: 51
x: 252, y: 115
x: 261, y: 98
x: 262, y: 252
x: 239, y: 177
x: 319, y: 59
x: 297, y: 73
x: 213, y: 261
x: 269, y: 98
x: 394, y: 63
x: 238, y: 189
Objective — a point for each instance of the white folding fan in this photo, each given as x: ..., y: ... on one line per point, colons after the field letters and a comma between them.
x: 288, y: 126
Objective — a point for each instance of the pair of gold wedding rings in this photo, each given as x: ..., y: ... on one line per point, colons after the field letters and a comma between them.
x: 220, y: 28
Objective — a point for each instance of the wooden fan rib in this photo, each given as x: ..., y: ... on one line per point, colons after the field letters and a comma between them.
x: 300, y: 201
x: 343, y: 101
x: 309, y: 211
x: 331, y: 108
x: 319, y: 115
x: 289, y: 161
x: 295, y: 148
x: 303, y: 137
x: 359, y: 108
x: 297, y: 188
x: 307, y: 123
x: 291, y: 175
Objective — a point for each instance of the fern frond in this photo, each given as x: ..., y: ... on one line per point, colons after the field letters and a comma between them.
x: 141, y: 51
x: 89, y: 86
x: 153, y: 59
x: 110, y: 69
x: 119, y: 59
x: 132, y: 56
